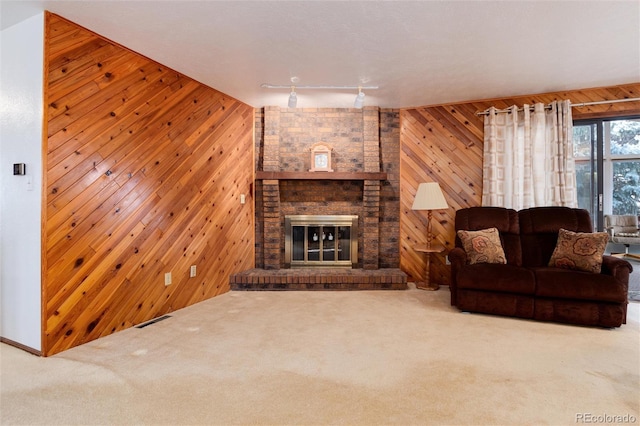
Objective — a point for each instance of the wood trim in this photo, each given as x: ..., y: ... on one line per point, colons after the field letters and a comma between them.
x: 20, y: 346
x: 43, y: 188
x: 262, y: 175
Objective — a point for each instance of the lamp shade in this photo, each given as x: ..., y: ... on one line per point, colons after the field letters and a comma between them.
x: 429, y: 197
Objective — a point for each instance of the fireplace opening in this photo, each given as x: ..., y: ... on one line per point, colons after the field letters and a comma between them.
x: 321, y: 241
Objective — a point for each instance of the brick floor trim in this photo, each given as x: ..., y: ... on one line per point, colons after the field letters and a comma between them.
x: 319, y: 279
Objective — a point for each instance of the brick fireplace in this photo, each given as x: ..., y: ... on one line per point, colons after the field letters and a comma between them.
x: 364, y: 183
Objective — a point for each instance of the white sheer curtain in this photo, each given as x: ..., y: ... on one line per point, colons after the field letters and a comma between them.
x: 528, y: 157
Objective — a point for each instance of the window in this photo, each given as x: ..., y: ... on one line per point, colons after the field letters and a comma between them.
x: 607, y: 154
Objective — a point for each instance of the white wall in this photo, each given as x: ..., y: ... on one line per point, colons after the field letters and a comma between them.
x: 21, y: 109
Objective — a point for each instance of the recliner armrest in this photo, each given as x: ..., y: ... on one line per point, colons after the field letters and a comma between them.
x: 616, y: 267
x: 457, y: 258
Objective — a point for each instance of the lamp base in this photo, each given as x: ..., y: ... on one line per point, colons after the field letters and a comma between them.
x: 422, y: 285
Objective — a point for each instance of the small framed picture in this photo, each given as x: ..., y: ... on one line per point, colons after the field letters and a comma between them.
x: 321, y: 158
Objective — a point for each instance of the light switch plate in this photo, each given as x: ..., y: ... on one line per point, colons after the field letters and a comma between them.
x: 19, y: 169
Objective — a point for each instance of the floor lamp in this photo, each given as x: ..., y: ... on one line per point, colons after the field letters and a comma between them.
x: 429, y: 197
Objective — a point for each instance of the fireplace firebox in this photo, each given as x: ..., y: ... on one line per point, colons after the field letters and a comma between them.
x: 321, y: 241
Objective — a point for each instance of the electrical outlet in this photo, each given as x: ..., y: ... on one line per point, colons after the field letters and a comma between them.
x: 167, y: 278
x: 192, y: 271
x: 242, y: 199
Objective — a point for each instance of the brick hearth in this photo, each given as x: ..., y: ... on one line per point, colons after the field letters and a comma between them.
x: 319, y: 279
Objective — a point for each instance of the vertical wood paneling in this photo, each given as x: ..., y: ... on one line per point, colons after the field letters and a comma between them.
x: 144, y: 171
x: 445, y: 144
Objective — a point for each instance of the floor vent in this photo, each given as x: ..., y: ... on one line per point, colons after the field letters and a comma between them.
x: 153, y: 321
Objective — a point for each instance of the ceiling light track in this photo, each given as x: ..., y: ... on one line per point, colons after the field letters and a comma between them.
x: 293, y: 96
x: 304, y: 87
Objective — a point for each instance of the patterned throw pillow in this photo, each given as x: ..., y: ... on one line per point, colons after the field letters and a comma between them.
x: 581, y: 251
x: 482, y: 246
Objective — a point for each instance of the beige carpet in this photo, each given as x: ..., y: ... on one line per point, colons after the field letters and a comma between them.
x: 358, y: 358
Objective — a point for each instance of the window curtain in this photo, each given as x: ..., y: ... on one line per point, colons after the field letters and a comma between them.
x: 528, y: 157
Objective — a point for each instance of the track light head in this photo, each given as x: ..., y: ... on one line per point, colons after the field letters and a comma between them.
x: 293, y: 97
x: 359, y: 102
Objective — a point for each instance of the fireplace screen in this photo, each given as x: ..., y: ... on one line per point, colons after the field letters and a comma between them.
x: 312, y: 240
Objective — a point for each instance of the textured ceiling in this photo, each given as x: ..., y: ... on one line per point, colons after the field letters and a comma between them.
x: 417, y: 52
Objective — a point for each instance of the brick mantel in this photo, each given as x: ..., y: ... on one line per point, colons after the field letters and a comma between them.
x: 260, y: 175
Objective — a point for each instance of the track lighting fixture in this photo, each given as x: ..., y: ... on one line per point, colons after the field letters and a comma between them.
x: 293, y: 97
x: 359, y: 102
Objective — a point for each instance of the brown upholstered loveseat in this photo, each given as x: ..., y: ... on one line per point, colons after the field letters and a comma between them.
x: 525, y: 286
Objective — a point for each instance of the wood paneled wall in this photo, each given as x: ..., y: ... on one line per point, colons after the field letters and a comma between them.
x: 144, y: 171
x: 445, y: 144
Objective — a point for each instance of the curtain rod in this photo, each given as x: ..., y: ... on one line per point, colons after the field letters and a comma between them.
x: 580, y: 105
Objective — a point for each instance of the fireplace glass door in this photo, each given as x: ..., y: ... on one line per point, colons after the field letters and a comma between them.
x: 320, y: 240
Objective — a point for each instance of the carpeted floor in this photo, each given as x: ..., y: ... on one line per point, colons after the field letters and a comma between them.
x: 357, y: 358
